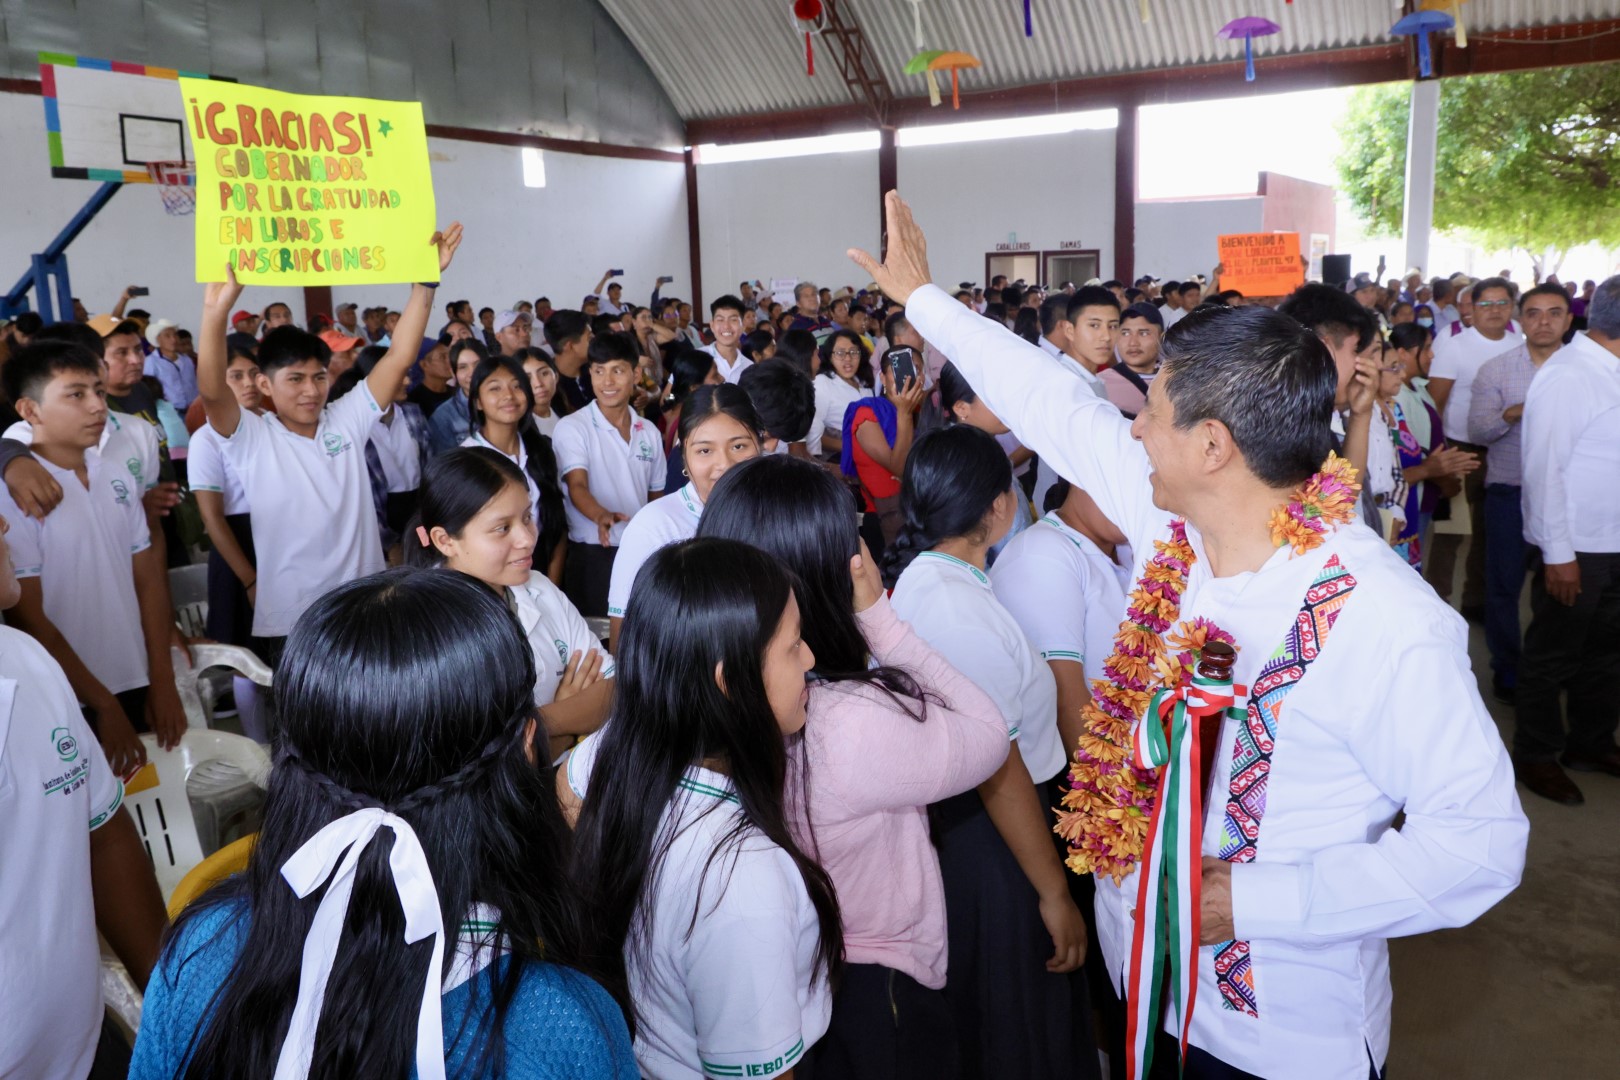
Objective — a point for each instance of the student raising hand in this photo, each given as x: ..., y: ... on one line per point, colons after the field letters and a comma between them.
x: 385, y: 379
x: 213, y: 386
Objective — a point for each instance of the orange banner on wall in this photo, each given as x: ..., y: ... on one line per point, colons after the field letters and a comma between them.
x: 1261, y: 264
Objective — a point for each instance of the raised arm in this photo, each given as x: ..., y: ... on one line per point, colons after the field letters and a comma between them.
x: 1082, y: 436
x: 390, y: 371
x: 219, y: 401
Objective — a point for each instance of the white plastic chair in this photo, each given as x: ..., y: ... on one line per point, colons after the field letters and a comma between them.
x: 198, y: 694
x: 188, y: 594
x: 220, y: 763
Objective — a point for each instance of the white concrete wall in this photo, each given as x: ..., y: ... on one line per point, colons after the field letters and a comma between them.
x: 1175, y: 240
x: 594, y: 213
x: 1048, y: 189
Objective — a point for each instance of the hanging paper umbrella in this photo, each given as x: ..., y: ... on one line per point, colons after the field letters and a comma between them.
x: 1455, y: 9
x: 919, y: 65
x: 1248, y: 29
x: 1029, y: 24
x: 913, y: 67
x: 807, y: 14
x: 943, y: 61
x: 1420, y: 24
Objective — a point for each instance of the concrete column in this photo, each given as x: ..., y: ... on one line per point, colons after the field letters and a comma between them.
x: 1125, y: 187
x: 1422, y: 138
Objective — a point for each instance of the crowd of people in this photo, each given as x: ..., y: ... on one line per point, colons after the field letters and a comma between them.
x: 736, y: 693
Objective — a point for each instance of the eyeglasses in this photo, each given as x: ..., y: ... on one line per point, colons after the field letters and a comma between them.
x: 1492, y: 303
x: 847, y: 354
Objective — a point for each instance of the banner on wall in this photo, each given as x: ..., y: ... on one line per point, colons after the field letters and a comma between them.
x: 297, y: 189
x: 1261, y: 264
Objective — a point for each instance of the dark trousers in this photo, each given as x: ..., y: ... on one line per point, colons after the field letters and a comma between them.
x: 1504, y: 578
x: 1440, y: 562
x: 886, y: 1026
x: 587, y: 572
x: 1575, y: 649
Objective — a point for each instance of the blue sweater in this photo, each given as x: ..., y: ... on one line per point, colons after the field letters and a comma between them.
x: 561, y: 1024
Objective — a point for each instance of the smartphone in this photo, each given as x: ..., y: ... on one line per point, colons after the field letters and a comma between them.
x: 616, y: 273
x: 139, y: 290
x: 902, y: 360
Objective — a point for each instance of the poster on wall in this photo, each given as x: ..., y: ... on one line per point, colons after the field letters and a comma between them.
x: 1260, y: 264
x: 296, y: 189
x: 1319, y: 247
x: 782, y: 290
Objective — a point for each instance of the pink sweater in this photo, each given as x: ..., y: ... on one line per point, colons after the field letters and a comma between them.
x: 873, y: 770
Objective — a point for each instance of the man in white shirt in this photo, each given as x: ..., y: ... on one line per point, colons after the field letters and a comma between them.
x: 1089, y: 329
x: 1304, y: 874
x: 1457, y: 360
x: 1055, y: 325
x: 1571, y: 448
x: 725, y: 322
x: 176, y: 373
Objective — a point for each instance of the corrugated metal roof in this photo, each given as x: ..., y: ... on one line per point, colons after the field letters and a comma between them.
x: 732, y: 57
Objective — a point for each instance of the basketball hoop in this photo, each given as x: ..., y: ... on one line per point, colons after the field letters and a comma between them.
x: 177, y: 183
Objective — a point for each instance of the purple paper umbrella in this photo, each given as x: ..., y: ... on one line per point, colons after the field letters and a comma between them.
x: 1248, y: 28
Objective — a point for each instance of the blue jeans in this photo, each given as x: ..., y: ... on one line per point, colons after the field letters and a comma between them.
x: 1504, y: 578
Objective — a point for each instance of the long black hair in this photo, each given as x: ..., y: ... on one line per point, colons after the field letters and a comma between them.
x: 559, y: 400
x: 695, y: 604
x: 802, y: 515
x: 952, y: 477
x: 954, y: 387
x: 687, y: 371
x: 445, y: 752
x: 541, y: 460
x: 863, y: 370
x: 727, y: 399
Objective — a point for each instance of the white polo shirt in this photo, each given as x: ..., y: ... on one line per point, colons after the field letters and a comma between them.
x: 81, y: 555
x: 314, y: 524
x: 1045, y: 475
x: 621, y: 471
x: 556, y: 630
x: 521, y: 461
x: 1459, y: 357
x: 1066, y: 595
x: 834, y: 396
x: 398, y: 453
x: 730, y: 372
x: 664, y: 521
x: 732, y: 995
x: 55, y: 790
x: 952, y: 606
x: 133, y: 441
x: 207, y: 470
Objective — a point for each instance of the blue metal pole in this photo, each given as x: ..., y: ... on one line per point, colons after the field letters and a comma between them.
x: 36, y: 277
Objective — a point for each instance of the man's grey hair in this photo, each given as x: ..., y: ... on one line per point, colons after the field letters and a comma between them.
x: 801, y: 287
x: 1603, y: 314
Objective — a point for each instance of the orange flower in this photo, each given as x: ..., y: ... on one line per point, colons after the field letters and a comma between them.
x: 1102, y: 749
x: 1288, y: 531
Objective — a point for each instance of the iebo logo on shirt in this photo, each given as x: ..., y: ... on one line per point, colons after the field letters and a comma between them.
x: 121, y: 492
x: 334, y: 444
x: 644, y: 451
x: 67, y: 747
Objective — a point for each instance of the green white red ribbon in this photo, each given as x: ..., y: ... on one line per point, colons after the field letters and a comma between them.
x: 1169, y: 882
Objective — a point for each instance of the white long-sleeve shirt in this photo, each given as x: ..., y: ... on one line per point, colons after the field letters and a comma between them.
x: 1571, y: 448
x: 1388, y: 718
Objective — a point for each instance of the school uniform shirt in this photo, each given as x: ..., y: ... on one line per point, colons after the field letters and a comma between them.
x: 1571, y: 443
x: 724, y: 987
x: 55, y: 790
x: 397, y: 450
x: 658, y: 524
x: 546, y: 425
x: 556, y: 630
x: 1327, y: 879
x: 1045, y: 475
x: 834, y: 396
x: 314, y: 525
x: 730, y: 372
x: 126, y: 438
x: 952, y: 605
x: 521, y: 461
x: 81, y: 555
x: 621, y: 471
x: 178, y: 377
x: 207, y: 470
x: 1459, y: 358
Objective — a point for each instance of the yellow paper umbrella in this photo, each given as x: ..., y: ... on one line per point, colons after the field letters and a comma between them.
x: 1455, y: 7
x: 953, y: 62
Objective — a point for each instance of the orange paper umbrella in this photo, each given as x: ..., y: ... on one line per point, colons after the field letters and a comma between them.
x: 953, y: 62
x: 1455, y: 8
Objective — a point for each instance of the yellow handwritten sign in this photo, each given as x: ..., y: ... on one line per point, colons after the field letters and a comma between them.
x: 1261, y: 264
x: 294, y: 189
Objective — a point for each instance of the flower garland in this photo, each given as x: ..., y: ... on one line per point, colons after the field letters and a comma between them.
x: 1110, y: 802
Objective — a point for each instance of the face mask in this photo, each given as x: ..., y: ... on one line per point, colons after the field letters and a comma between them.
x: 1425, y: 322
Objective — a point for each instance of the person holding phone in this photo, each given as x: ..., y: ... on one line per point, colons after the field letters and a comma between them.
x: 877, y: 434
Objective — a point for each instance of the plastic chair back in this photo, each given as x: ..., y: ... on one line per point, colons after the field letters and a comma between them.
x: 197, y: 694
x: 188, y: 593
x: 228, y: 860
x: 158, y: 801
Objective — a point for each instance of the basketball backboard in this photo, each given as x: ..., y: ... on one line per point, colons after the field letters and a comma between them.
x: 107, y: 120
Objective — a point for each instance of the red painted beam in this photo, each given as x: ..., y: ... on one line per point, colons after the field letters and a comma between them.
x: 694, y: 247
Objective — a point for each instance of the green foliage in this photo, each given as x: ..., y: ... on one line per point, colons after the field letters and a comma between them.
x: 1528, y: 159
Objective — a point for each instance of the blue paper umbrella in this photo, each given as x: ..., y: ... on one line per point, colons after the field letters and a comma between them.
x: 1248, y: 29
x: 1420, y: 24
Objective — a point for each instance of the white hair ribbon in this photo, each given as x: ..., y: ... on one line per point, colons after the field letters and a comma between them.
x: 311, y: 865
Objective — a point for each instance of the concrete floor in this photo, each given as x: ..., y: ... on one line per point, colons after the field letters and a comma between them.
x: 1532, y: 989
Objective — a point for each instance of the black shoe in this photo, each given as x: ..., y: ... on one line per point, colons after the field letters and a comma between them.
x: 1546, y: 779
x: 1505, y: 694
x: 1603, y: 763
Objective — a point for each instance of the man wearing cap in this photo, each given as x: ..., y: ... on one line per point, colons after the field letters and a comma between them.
x: 433, y: 358
x: 1365, y: 289
x: 1141, y: 329
x: 344, y: 315
x: 244, y: 334
x: 343, y: 348
x: 591, y: 306
x: 511, y: 332
x: 176, y: 373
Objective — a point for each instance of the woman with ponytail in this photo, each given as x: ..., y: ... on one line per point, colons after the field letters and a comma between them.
x: 405, y: 911
x: 961, y: 405
x: 728, y: 931
x: 1014, y: 929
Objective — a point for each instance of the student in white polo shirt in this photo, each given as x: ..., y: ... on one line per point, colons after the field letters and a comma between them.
x: 719, y: 429
x: 476, y: 518
x: 304, y: 469
x: 726, y: 323
x: 612, y: 464
x: 1014, y: 930
x: 95, y: 591
x: 73, y: 865
x: 730, y: 933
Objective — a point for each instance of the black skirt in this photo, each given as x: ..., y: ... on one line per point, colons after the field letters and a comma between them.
x: 230, y: 616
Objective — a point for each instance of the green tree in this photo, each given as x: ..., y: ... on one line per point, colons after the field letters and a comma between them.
x: 1527, y: 160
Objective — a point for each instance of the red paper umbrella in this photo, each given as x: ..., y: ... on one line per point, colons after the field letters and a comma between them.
x: 807, y: 14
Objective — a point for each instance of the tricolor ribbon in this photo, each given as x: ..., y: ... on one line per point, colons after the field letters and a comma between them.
x: 1169, y: 883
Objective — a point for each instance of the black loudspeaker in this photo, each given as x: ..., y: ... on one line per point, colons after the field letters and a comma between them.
x: 1335, y: 269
